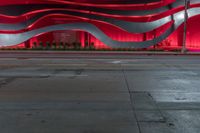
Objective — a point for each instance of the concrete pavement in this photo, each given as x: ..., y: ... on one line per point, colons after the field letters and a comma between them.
x: 100, y: 94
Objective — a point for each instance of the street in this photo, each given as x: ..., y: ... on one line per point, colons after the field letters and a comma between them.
x: 99, y: 93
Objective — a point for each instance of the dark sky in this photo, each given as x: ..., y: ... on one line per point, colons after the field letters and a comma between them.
x: 116, y: 1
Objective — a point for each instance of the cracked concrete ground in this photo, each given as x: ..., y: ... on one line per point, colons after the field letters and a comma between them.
x: 129, y: 94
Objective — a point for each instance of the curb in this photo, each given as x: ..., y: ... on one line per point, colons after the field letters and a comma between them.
x: 100, y: 53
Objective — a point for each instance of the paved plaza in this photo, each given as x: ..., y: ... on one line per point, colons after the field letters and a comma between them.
x: 99, y: 93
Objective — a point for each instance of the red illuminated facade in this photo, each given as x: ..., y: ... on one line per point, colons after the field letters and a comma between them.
x: 123, y: 23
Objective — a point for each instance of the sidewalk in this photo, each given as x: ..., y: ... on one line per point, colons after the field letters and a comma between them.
x: 100, y: 52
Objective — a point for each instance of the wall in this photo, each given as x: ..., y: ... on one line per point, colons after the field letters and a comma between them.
x: 109, y: 24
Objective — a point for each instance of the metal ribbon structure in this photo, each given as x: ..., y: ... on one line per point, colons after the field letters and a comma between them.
x: 25, y: 21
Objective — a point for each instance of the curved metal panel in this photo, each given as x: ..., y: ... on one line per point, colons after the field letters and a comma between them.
x: 9, y: 39
x: 133, y: 27
x: 22, y: 9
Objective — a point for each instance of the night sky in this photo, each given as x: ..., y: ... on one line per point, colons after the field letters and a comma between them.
x: 116, y: 1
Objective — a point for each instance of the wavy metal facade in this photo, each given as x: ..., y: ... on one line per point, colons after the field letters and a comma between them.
x: 113, y: 23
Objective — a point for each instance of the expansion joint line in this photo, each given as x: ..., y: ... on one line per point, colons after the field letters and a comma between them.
x: 132, y: 103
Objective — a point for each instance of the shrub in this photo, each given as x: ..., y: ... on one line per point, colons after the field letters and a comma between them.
x: 34, y: 45
x: 61, y: 45
x: 54, y: 45
x: 92, y: 47
x: 48, y: 45
x: 41, y: 44
x: 65, y: 46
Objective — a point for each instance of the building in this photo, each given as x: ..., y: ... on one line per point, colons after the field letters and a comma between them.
x: 100, y: 23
